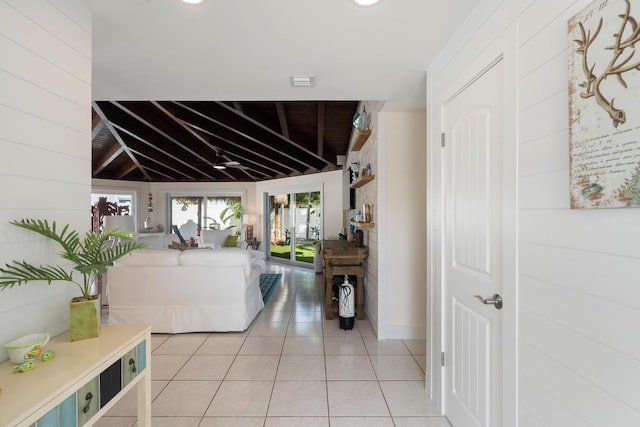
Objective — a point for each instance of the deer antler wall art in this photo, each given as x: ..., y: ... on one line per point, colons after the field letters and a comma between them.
x: 623, y: 59
x: 604, y: 112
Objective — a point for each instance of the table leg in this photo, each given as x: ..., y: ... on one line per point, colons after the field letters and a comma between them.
x: 328, y: 293
x: 360, y: 297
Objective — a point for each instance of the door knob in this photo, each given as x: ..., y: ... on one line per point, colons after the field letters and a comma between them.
x: 496, y: 300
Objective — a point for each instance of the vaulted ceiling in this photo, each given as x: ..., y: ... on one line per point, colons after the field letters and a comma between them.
x: 226, y: 50
x: 183, y: 141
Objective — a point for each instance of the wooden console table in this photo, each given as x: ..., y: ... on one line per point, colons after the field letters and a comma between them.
x: 83, y: 381
x: 343, y: 258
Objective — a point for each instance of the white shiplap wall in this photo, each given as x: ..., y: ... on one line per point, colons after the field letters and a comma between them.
x: 45, y: 141
x: 579, y: 299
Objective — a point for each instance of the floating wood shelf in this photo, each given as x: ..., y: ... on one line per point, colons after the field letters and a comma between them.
x: 363, y: 224
x: 364, y: 179
x: 360, y: 138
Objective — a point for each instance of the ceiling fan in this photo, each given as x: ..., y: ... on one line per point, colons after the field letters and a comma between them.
x: 220, y: 163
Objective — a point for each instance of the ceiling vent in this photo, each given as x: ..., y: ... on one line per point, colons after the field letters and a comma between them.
x: 302, y: 81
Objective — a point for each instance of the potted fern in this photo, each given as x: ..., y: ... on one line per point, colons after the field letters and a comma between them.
x: 90, y: 256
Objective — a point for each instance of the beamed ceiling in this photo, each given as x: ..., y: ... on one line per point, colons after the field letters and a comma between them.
x: 179, y: 141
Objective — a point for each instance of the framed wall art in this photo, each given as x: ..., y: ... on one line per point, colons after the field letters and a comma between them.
x: 604, y: 105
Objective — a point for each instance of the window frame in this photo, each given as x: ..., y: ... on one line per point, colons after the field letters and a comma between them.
x: 204, y: 194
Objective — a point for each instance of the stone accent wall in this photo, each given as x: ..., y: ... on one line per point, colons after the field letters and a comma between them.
x: 368, y: 193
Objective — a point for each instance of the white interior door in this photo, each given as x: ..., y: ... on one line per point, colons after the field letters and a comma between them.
x: 473, y: 251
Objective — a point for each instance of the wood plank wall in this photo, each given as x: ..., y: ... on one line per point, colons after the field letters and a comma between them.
x: 45, y: 141
x: 579, y: 299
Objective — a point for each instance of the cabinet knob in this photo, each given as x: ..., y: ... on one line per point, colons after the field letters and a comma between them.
x: 88, y: 398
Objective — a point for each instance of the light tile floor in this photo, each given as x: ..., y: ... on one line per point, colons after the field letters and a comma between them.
x: 290, y: 368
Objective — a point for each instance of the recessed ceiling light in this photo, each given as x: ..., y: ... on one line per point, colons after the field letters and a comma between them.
x: 365, y: 3
x: 194, y: 1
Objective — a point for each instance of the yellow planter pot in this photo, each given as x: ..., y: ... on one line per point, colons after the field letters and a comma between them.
x: 84, y: 319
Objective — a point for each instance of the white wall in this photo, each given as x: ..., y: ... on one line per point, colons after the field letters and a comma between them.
x: 401, y: 225
x: 395, y: 286
x: 45, y: 140
x: 578, y: 295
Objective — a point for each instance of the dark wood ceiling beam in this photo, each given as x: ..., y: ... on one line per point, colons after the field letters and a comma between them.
x: 170, y: 157
x: 118, y: 138
x: 191, y: 150
x: 107, y: 159
x: 138, y: 144
x: 189, y: 130
x: 251, y: 162
x: 159, y: 173
x: 320, y: 127
x: 262, y: 133
x: 204, y: 118
x: 141, y: 146
x: 235, y: 143
x: 97, y: 127
x: 161, y: 157
x: 122, y: 174
x: 283, y: 119
x: 231, y: 125
x: 165, y: 168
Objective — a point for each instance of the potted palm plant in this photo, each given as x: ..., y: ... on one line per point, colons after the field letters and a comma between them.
x: 90, y: 256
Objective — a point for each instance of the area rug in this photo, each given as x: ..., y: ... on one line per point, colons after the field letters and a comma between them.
x: 268, y: 283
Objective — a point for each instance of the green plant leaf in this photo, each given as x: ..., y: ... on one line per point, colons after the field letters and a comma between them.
x: 90, y: 255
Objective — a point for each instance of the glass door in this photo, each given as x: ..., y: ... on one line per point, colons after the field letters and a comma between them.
x: 307, y: 225
x: 280, y: 226
x: 294, y: 225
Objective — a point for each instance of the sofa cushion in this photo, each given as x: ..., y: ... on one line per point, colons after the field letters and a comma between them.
x: 214, y: 238
x: 150, y: 256
x: 230, y: 241
x: 217, y: 258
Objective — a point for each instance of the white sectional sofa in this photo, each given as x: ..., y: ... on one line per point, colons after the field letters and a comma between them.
x: 196, y: 290
x: 215, y: 239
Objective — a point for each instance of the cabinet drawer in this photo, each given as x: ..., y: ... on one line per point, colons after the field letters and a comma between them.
x: 110, y: 382
x: 63, y: 415
x: 142, y: 356
x: 130, y: 366
x: 88, y: 398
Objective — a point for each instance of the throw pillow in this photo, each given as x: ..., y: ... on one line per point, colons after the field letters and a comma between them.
x: 230, y: 241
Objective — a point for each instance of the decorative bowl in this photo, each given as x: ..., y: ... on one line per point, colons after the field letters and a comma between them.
x: 27, y: 347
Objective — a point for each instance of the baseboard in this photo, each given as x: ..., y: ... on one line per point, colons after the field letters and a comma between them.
x: 402, y: 333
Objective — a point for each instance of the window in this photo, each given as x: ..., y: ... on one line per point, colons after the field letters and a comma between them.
x: 190, y: 213
x: 106, y: 203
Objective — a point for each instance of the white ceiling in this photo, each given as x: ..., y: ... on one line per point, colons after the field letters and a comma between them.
x: 246, y: 49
